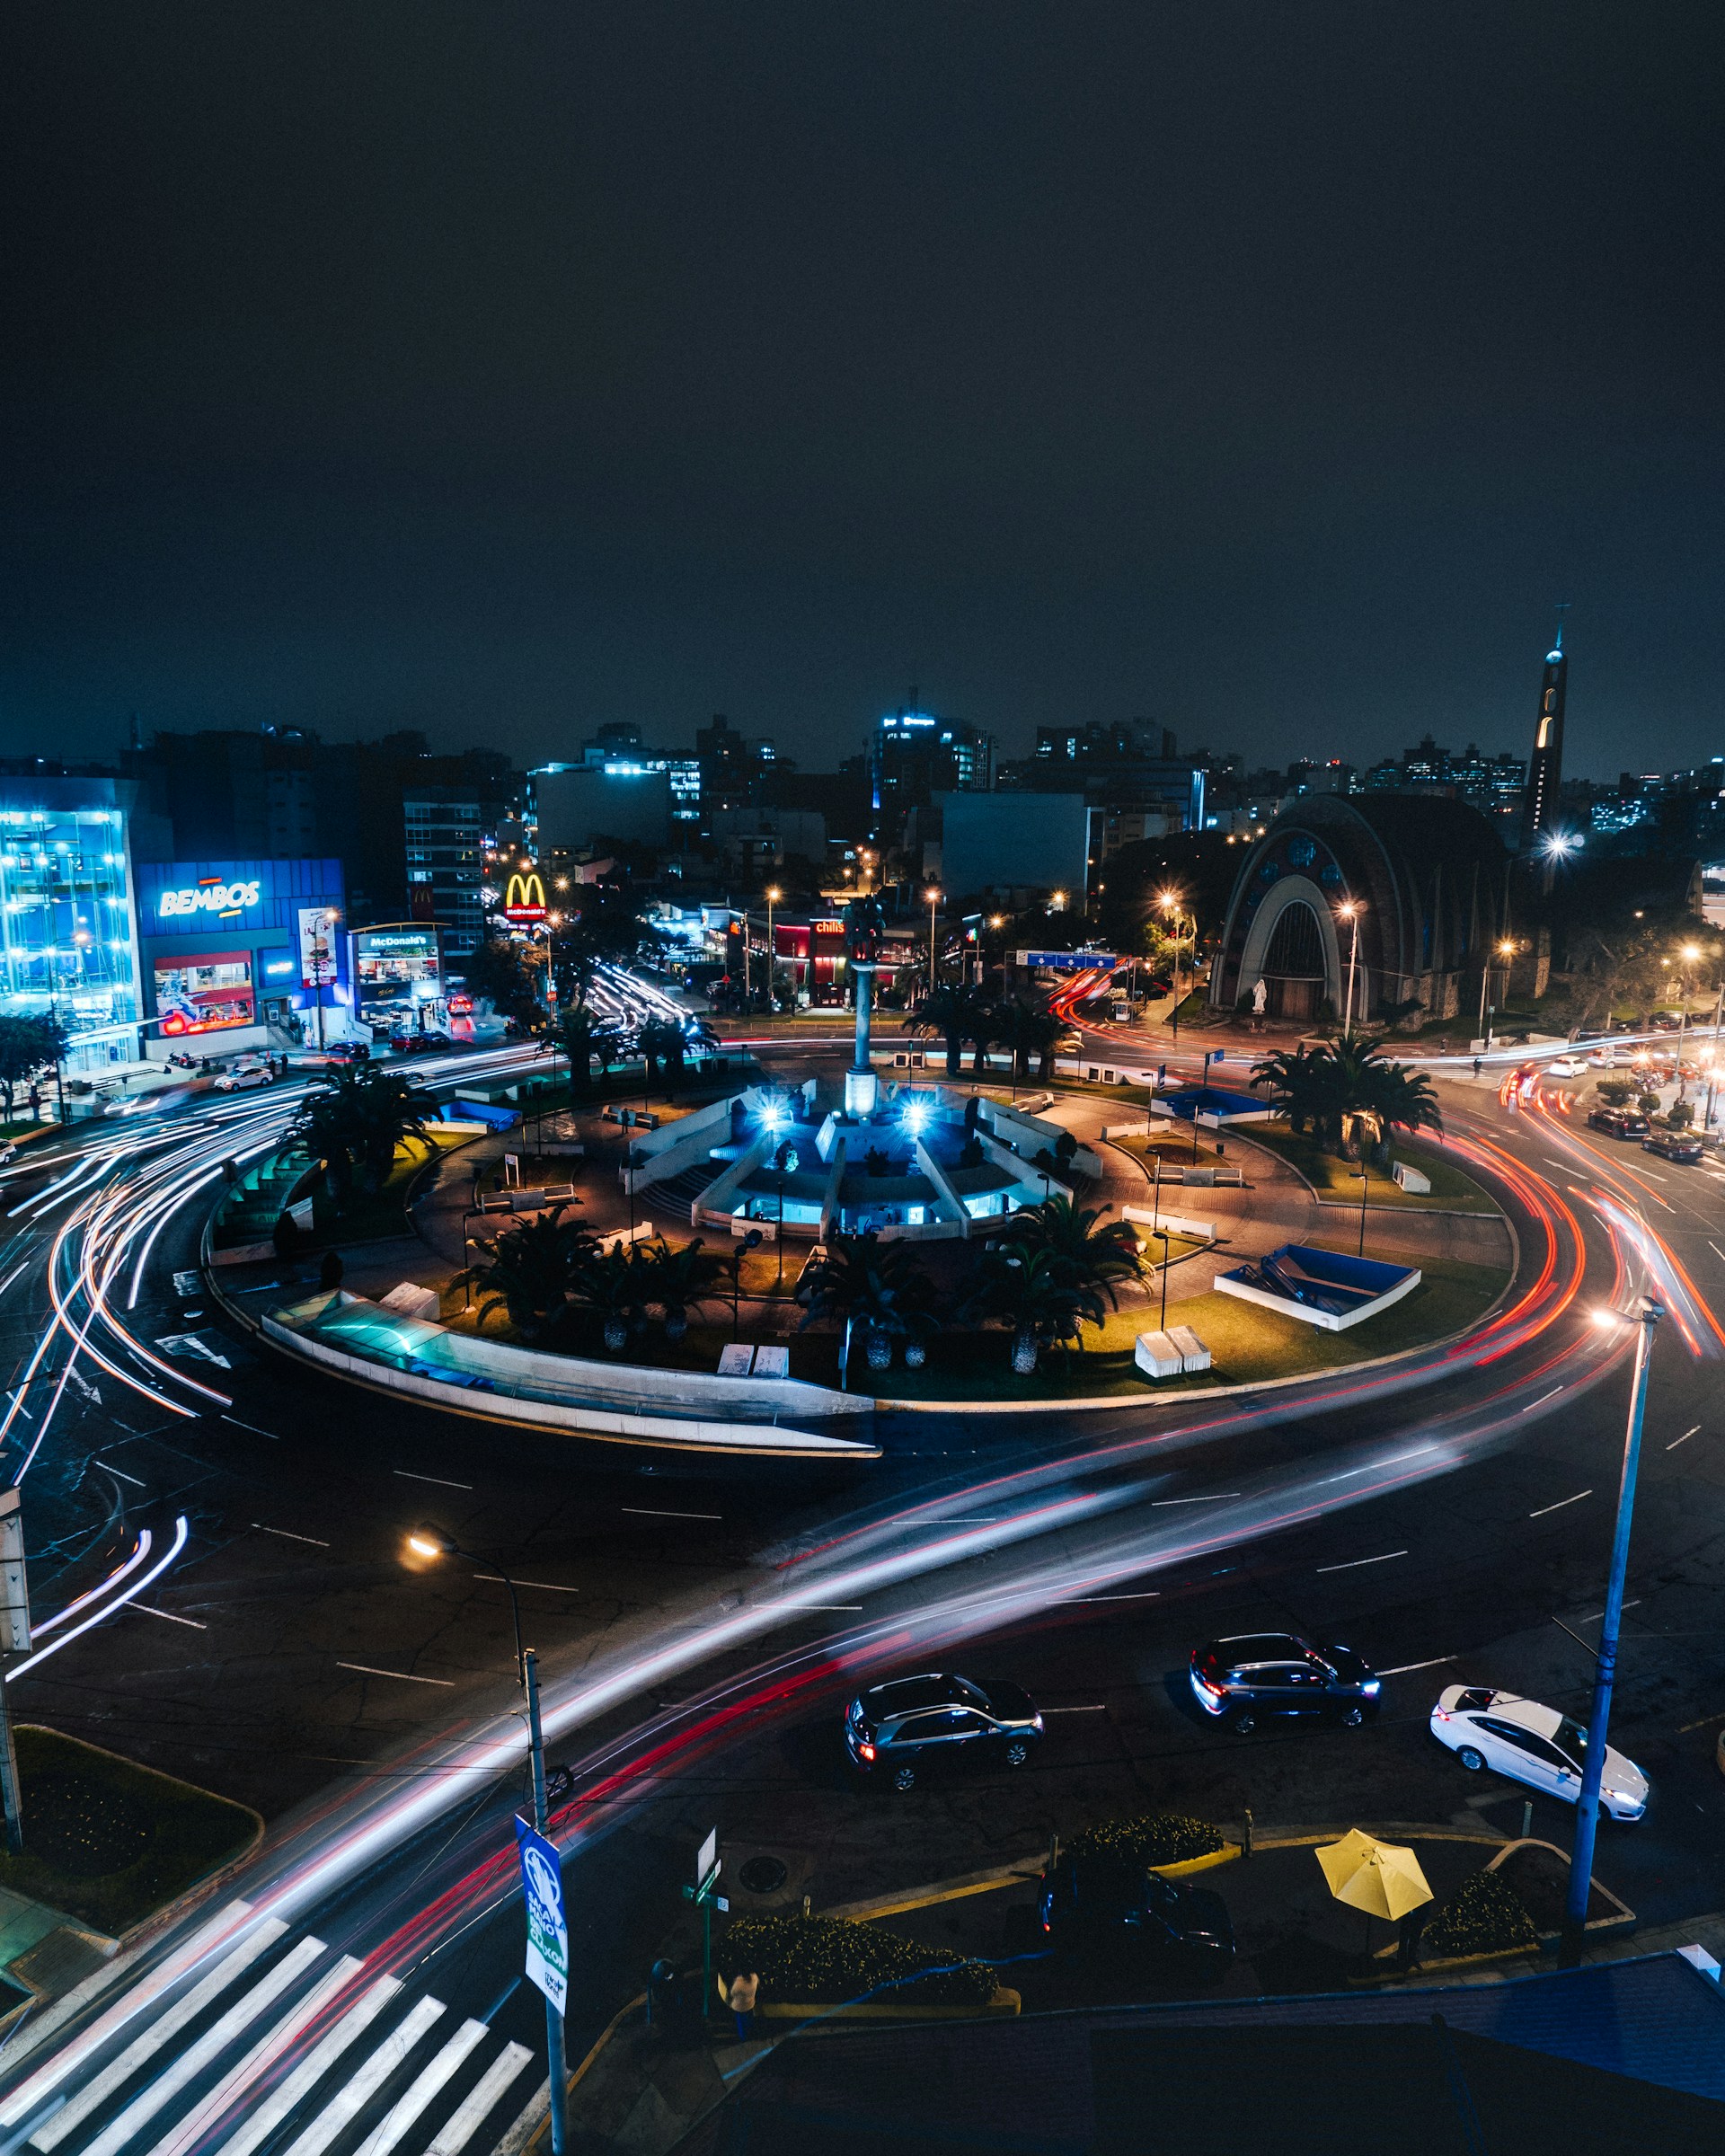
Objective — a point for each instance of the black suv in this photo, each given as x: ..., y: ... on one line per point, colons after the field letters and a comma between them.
x: 1674, y: 1145
x: 1106, y: 1907
x: 1618, y: 1122
x: 1262, y: 1675
x: 917, y: 1726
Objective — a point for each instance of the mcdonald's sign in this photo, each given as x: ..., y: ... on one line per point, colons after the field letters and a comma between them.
x: 525, y: 896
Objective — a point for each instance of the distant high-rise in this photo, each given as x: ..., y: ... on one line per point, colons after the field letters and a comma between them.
x: 1539, y: 806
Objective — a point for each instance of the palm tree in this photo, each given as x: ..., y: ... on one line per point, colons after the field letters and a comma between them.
x: 530, y: 1271
x: 357, y: 1124
x: 878, y: 1285
x: 1388, y: 1096
x: 1023, y: 1288
x: 1083, y: 1254
x: 616, y: 1285
x: 680, y: 1279
x: 950, y: 1014
x: 1027, y: 1033
x: 580, y: 1034
x: 662, y: 1040
x: 981, y: 1033
x: 1302, y: 1080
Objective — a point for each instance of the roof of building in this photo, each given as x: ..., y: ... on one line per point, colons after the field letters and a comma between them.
x: 1632, y: 2048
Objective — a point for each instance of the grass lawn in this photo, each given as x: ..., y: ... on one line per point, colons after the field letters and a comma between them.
x: 109, y: 1842
x: 1451, y: 1190
x: 1248, y: 1345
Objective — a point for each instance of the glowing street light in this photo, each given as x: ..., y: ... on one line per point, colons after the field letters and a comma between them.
x: 933, y: 897
x: 1172, y: 901
x: 773, y: 895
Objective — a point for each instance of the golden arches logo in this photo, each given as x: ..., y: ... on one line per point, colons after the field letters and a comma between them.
x: 525, y: 893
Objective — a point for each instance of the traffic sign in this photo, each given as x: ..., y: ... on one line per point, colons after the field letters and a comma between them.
x: 541, y: 1881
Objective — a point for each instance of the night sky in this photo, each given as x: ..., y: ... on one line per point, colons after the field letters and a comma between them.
x: 1268, y: 370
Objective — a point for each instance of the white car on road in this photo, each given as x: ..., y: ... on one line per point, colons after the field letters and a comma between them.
x: 1566, y: 1066
x: 1531, y: 1744
x: 246, y: 1072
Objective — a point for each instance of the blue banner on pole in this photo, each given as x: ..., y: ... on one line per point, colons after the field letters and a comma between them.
x: 541, y: 1881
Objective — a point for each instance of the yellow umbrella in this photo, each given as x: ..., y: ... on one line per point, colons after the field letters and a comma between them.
x: 1377, y: 1876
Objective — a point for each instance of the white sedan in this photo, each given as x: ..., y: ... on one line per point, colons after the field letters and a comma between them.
x: 1566, y: 1066
x: 242, y: 1076
x: 1531, y: 1744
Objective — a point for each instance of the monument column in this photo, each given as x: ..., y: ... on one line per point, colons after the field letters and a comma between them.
x: 863, y: 924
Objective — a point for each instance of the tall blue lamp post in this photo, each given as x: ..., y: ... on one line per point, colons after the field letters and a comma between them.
x: 1587, y: 1804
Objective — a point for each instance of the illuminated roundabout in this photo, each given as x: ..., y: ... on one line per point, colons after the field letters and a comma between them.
x: 1084, y: 1509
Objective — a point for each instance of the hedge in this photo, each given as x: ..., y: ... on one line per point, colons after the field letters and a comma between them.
x: 836, y: 1961
x: 1153, y: 1838
x: 1484, y: 1916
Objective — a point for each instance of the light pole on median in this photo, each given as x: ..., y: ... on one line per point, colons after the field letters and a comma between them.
x: 1586, y: 1803
x: 429, y: 1542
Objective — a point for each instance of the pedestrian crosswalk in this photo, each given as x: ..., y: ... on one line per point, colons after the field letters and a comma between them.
x: 253, y: 2042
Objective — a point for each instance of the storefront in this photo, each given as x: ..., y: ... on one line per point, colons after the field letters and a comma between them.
x: 68, y: 948
x: 398, y: 977
x: 240, y: 954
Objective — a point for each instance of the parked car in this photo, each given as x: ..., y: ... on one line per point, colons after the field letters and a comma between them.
x: 1107, y: 1907
x: 1618, y: 1122
x: 1603, y: 1059
x: 429, y: 1043
x: 1534, y: 1744
x: 1259, y: 1677
x: 913, y: 1727
x: 244, y: 1073
x: 1674, y: 1145
x: 1565, y: 1066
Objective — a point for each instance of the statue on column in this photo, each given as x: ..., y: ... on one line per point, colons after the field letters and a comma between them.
x: 865, y: 927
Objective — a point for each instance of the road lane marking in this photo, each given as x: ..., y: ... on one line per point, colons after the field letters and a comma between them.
x: 1220, y: 1498
x: 1688, y: 1435
x: 1684, y: 1728
x: 1543, y: 1397
x: 288, y: 1535
x: 1404, y: 1669
x: 1593, y: 1614
x: 657, y: 1512
x: 1147, y: 1594
x: 550, y: 1586
x: 406, y: 1676
x: 460, y: 2129
x: 163, y: 2029
x: 418, y: 2095
x: 1101, y: 1709
x: 1561, y: 1502
x: 442, y: 1481
x: 1718, y: 1253
x: 350, y: 2102
x: 823, y: 1605
x: 171, y: 1617
x: 312, y: 2069
x: 1355, y: 1562
x: 121, y: 1473
x: 253, y: 1426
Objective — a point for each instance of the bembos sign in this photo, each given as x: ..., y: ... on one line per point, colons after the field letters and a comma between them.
x: 213, y: 897
x: 523, y: 899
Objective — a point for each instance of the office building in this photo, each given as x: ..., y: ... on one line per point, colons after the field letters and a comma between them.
x: 449, y: 832
x: 913, y: 756
x: 1539, y: 808
x: 245, y: 951
x: 68, y: 938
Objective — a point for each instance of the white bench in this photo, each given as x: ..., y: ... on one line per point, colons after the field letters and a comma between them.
x: 736, y: 1360
x: 1193, y: 1354
x: 771, y: 1362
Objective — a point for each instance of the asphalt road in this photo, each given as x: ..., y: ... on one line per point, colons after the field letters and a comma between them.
x: 699, y: 1633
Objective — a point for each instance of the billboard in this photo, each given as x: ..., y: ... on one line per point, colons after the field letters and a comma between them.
x: 189, y: 897
x: 316, y: 926
x: 208, y: 992
x: 524, y: 897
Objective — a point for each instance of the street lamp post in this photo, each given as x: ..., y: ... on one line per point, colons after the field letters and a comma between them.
x: 1350, y: 910
x: 1506, y: 951
x: 1167, y: 1247
x: 428, y: 1542
x: 774, y: 894
x: 1586, y: 1803
x: 934, y: 897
